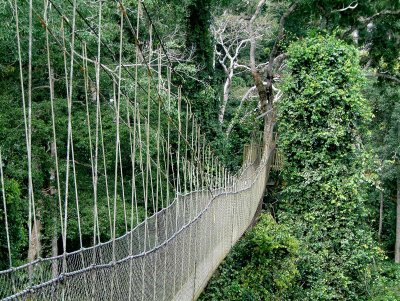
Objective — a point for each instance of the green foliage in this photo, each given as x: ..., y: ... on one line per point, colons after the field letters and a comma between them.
x: 16, y: 224
x: 262, y: 266
x: 320, y: 120
x: 387, y: 288
x: 199, y: 20
x: 12, y: 134
x: 379, y: 40
x: 384, y: 146
x: 384, y: 141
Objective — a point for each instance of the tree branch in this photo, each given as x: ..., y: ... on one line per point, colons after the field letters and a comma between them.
x: 351, y: 6
x: 382, y: 13
x: 279, y: 59
x: 281, y: 30
x: 388, y: 76
x: 257, y: 12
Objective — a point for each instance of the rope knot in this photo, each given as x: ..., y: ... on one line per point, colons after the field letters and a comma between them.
x: 122, y: 8
x: 42, y: 22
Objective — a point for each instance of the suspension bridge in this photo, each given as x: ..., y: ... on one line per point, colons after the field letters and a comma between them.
x: 138, y: 205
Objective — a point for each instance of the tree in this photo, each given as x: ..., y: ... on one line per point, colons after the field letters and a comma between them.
x: 256, y: 29
x: 320, y: 120
x: 262, y: 266
x: 232, y: 36
x: 384, y: 144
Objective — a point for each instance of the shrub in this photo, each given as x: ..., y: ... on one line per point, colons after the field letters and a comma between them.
x: 262, y: 266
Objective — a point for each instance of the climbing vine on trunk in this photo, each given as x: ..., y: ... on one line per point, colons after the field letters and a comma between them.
x: 320, y: 121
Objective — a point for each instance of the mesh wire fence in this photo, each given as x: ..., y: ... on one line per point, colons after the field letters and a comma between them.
x: 170, y: 256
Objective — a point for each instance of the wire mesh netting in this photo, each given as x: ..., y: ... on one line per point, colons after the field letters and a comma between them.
x: 182, y: 251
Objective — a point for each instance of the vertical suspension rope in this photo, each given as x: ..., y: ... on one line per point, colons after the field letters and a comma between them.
x: 77, y: 203
x: 93, y: 160
x: 184, y: 198
x: 3, y: 190
x: 103, y: 152
x: 85, y: 82
x: 167, y: 165
x: 136, y: 83
x: 132, y: 151
x: 69, y: 82
x: 76, y: 193
x: 27, y: 116
x: 134, y: 204
x: 96, y: 226
x: 179, y: 139
x: 32, y: 196
x: 117, y: 144
x: 134, y: 198
x: 186, y: 146
x: 123, y: 190
x: 168, y: 127
x: 192, y: 188
x: 24, y: 110
x: 144, y: 199
x: 203, y: 180
x: 53, y: 122
x: 144, y: 175
x: 159, y: 133
x: 95, y: 169
x: 158, y: 170
x: 178, y: 185
x: 189, y: 179
x: 118, y: 99
x: 148, y: 177
x: 136, y: 121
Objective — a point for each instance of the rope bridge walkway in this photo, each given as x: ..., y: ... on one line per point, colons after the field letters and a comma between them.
x: 116, y: 171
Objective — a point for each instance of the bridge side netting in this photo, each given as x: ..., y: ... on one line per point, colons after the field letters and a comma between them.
x: 176, y: 267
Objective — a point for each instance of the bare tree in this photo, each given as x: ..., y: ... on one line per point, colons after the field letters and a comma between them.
x: 237, y: 35
x: 231, y: 39
x: 232, y: 36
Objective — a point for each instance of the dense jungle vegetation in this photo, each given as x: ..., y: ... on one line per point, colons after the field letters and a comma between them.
x: 324, y: 75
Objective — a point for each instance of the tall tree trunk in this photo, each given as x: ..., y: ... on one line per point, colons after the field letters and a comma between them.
x: 35, y: 245
x: 54, y: 249
x: 53, y: 192
x: 227, y: 88
x: 262, y: 90
x: 380, y: 215
x: 397, y: 247
x: 265, y: 90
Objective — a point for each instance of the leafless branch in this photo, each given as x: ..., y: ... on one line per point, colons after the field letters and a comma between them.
x: 281, y: 32
x: 351, y: 6
x: 382, y: 13
x: 388, y: 76
x: 232, y: 35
